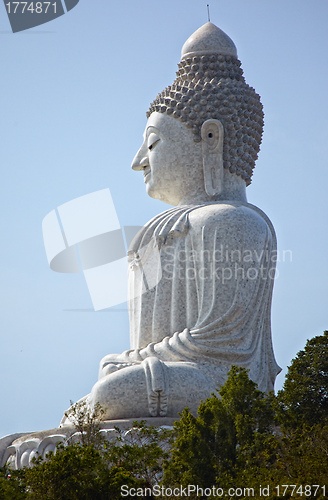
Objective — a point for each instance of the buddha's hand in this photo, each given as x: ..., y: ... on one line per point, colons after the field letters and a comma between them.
x: 113, y: 367
x: 112, y: 363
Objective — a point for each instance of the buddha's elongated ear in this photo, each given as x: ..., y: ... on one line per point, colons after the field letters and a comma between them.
x: 212, y: 147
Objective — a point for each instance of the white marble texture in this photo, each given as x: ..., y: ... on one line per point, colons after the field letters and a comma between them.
x: 208, y: 39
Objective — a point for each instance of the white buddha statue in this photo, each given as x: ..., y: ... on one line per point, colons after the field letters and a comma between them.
x: 213, y: 253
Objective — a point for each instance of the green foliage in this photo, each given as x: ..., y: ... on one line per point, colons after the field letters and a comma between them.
x: 191, y: 460
x: 12, y: 486
x: 93, y: 469
x: 92, y: 472
x: 233, y: 443
x: 299, y: 457
x: 141, y: 451
x: 304, y: 397
x: 226, y: 436
x: 304, y: 455
x: 76, y: 472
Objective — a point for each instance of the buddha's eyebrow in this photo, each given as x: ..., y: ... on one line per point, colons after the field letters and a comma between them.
x: 151, y: 128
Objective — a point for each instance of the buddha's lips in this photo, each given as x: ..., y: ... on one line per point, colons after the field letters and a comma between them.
x: 146, y: 173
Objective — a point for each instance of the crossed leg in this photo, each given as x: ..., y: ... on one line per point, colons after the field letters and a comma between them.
x: 151, y: 388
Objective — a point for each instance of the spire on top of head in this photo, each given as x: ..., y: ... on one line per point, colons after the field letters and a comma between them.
x: 208, y: 39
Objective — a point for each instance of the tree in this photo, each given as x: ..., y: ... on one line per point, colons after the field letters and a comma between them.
x: 141, y: 451
x: 233, y: 442
x: 99, y: 469
x: 12, y: 486
x: 76, y: 472
x: 192, y: 458
x: 86, y: 422
x: 304, y: 397
x: 224, y: 438
x: 94, y: 468
x: 303, y: 455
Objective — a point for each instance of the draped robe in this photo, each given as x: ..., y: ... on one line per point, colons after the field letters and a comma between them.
x: 200, y: 284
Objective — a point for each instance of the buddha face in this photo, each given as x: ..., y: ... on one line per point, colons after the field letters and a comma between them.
x: 171, y: 161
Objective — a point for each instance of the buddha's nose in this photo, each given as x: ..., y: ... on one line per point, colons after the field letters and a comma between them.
x: 140, y: 161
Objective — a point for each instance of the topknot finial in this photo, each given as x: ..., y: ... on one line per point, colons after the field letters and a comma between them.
x: 208, y: 39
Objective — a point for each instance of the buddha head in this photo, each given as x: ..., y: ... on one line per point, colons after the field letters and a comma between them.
x: 204, y: 131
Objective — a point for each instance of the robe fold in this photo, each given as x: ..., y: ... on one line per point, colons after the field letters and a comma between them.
x: 200, y: 285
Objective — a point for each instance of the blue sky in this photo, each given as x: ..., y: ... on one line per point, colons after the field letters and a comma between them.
x: 74, y: 94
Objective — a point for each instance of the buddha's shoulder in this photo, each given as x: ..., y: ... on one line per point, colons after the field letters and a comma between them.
x: 242, y: 215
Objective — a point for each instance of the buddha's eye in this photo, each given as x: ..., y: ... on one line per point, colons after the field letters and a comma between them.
x: 152, y: 141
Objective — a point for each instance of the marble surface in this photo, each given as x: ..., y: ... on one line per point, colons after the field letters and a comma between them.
x: 208, y: 39
x: 19, y: 450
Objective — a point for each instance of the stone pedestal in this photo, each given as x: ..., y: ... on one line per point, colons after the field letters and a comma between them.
x: 18, y: 450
